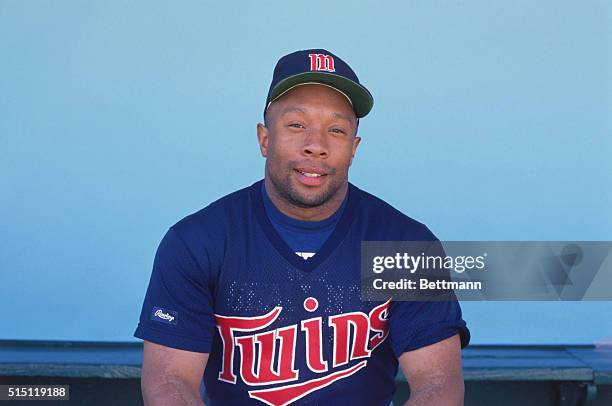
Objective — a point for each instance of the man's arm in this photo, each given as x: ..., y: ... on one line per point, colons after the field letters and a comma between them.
x: 171, y: 376
x: 434, y: 374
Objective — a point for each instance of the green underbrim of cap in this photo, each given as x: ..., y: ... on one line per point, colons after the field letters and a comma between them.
x: 360, y: 96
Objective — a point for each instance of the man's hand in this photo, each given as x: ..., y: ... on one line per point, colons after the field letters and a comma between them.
x: 434, y: 374
x: 171, y: 376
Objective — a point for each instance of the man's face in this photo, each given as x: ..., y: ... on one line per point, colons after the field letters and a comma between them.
x: 309, y: 143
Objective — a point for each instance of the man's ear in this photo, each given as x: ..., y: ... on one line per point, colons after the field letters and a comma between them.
x: 262, y: 138
x: 356, y: 142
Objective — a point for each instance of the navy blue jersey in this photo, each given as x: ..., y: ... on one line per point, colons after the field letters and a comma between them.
x: 281, y: 329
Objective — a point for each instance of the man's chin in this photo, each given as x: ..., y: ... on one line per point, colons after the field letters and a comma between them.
x: 307, y: 201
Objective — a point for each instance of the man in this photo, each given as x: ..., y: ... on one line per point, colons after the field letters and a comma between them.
x: 259, y: 293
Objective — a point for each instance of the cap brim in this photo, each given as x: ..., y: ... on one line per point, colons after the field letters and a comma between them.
x: 360, y: 96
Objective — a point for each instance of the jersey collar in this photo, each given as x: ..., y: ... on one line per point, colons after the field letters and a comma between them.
x: 328, y: 246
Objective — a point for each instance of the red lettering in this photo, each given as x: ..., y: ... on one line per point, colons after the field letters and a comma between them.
x: 329, y: 63
x: 378, y: 323
x: 263, y: 372
x: 361, y: 331
x: 227, y: 326
x: 321, y: 62
x: 355, y: 336
x: 314, y: 346
x: 314, y: 61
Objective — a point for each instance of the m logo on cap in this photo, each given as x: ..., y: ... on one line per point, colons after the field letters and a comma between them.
x: 321, y: 62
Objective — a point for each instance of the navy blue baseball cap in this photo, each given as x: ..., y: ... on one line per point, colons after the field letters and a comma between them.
x: 322, y: 67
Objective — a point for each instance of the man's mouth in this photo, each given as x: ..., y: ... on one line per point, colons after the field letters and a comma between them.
x: 311, y: 172
x: 311, y: 176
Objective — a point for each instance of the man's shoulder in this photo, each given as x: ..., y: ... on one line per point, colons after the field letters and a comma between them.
x: 218, y: 215
x: 390, y: 221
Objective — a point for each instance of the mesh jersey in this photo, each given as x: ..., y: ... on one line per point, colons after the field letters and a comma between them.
x: 281, y: 329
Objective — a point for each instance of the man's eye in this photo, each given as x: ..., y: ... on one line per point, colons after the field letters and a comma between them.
x: 296, y: 125
x: 338, y: 131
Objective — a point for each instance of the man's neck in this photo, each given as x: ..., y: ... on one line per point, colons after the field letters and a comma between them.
x: 317, y: 213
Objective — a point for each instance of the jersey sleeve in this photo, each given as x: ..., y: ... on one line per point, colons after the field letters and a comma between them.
x: 178, y: 310
x: 416, y: 324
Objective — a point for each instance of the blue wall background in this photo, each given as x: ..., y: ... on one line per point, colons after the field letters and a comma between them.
x: 492, y: 121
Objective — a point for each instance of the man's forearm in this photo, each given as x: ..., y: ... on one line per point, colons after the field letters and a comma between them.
x: 173, y: 393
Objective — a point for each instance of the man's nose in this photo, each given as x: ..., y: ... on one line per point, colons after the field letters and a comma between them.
x: 315, y: 144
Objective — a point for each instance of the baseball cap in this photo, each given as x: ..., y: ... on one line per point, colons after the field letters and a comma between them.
x: 322, y: 67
